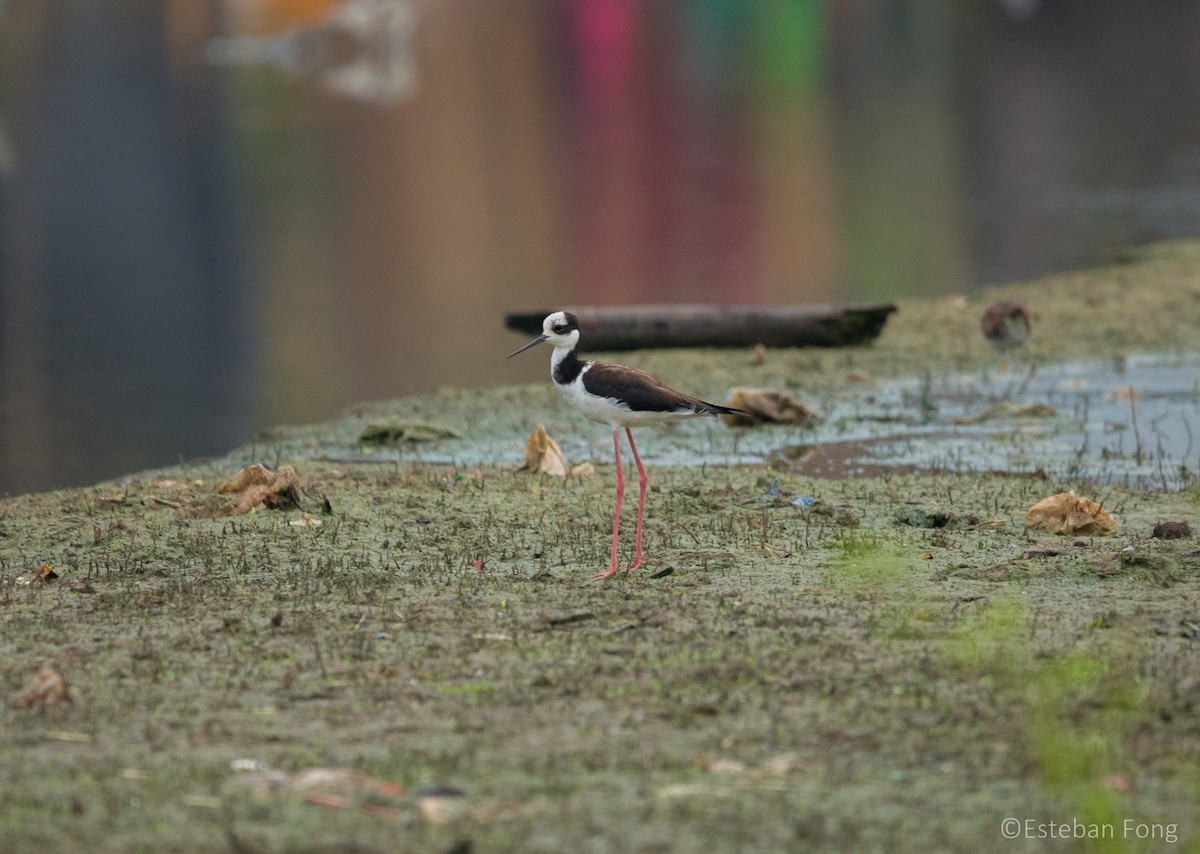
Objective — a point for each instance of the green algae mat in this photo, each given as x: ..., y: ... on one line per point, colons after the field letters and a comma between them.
x: 409, y: 653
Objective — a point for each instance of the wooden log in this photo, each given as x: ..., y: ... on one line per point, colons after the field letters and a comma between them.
x: 646, y: 326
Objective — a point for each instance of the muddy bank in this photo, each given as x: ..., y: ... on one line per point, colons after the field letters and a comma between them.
x: 891, y: 662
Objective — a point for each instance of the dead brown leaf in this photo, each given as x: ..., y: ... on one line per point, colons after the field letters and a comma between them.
x: 47, y: 689
x: 45, y: 573
x: 257, y: 486
x: 543, y: 455
x: 768, y: 406
x: 1070, y: 514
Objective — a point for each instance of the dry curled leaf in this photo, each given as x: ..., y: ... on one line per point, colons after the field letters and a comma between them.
x: 47, y: 689
x: 543, y: 455
x: 45, y: 573
x: 257, y: 486
x: 768, y: 406
x: 1070, y: 514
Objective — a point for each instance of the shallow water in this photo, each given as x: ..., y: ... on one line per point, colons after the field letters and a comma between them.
x: 1135, y: 421
x: 1090, y: 430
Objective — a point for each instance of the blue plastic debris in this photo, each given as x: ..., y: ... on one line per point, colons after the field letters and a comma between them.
x: 804, y: 501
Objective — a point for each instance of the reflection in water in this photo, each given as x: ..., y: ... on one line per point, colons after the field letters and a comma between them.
x: 358, y: 48
x: 191, y: 248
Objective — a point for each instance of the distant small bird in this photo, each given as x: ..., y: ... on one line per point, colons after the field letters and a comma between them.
x: 1006, y: 326
x: 617, y: 396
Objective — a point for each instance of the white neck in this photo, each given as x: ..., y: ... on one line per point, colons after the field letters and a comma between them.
x: 558, y: 355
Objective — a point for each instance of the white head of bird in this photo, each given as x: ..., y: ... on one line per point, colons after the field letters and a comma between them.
x: 560, y: 329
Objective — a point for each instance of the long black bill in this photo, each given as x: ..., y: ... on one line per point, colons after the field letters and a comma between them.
x: 532, y: 343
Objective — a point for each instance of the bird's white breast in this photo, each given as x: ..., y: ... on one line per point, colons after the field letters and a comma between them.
x: 611, y: 411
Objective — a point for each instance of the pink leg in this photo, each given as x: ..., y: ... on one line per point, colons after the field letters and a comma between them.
x: 612, y: 563
x: 637, y: 556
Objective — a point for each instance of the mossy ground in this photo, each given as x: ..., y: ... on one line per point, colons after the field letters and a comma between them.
x: 829, y: 679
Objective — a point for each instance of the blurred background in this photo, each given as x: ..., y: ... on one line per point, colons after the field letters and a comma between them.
x: 219, y: 215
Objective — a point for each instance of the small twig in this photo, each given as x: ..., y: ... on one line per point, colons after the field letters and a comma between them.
x: 1137, y: 437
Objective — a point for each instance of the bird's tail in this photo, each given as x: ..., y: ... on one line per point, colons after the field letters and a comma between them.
x: 706, y: 408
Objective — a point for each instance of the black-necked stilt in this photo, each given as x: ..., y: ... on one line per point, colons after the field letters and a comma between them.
x: 617, y: 396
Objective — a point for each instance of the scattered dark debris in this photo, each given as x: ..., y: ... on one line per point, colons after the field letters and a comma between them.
x: 568, y: 619
x: 663, y: 573
x: 1158, y: 569
x: 840, y: 514
x: 920, y: 517
x: 441, y: 791
x: 626, y: 627
x: 1173, y: 530
x: 1188, y: 629
x: 397, y: 431
x: 1006, y: 571
x: 1044, y: 550
x: 153, y: 501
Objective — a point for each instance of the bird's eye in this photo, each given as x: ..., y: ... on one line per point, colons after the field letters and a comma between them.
x: 560, y: 328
